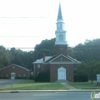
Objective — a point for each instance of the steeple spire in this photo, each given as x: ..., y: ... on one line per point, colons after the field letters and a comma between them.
x: 60, y: 31
x: 59, y: 13
x: 60, y: 43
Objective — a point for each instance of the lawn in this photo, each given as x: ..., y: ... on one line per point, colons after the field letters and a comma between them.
x: 85, y: 85
x: 31, y: 85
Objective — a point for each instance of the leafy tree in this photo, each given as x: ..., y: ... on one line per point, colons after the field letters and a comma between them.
x: 22, y: 58
x: 5, y: 57
x: 80, y: 74
x: 46, y: 46
x: 88, y: 51
x: 91, y: 69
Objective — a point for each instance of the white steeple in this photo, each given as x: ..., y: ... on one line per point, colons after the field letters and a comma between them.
x: 60, y: 32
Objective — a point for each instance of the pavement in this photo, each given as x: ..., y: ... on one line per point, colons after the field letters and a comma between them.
x: 5, y: 82
x: 70, y: 88
x: 67, y: 85
x: 30, y: 91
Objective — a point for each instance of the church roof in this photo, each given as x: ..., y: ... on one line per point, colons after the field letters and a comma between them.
x: 50, y: 59
x: 41, y: 60
x: 71, y: 60
x: 17, y: 66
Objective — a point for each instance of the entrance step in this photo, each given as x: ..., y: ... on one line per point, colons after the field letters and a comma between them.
x: 61, y: 81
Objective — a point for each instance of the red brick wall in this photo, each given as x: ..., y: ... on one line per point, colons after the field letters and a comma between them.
x: 42, y: 67
x: 17, y: 70
x: 36, y: 69
x: 54, y: 72
x: 63, y: 51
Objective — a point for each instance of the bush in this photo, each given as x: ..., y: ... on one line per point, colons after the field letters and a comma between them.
x: 4, y: 77
x: 43, y: 76
x: 80, y: 78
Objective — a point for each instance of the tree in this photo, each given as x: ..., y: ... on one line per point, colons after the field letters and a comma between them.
x: 22, y: 58
x: 5, y: 57
x: 46, y: 46
x: 88, y: 51
x: 80, y: 74
x: 91, y: 69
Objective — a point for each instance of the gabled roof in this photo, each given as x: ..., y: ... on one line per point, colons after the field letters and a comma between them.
x: 41, y: 60
x: 16, y: 66
x: 74, y: 61
x: 50, y: 59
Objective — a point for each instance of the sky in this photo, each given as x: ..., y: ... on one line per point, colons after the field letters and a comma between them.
x: 25, y: 23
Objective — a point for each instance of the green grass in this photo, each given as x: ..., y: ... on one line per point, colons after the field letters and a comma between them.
x: 85, y: 85
x: 31, y: 85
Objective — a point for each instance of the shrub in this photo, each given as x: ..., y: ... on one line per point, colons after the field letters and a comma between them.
x: 4, y: 77
x: 80, y: 78
x: 43, y: 76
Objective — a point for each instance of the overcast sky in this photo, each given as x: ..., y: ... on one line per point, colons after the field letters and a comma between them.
x: 25, y: 23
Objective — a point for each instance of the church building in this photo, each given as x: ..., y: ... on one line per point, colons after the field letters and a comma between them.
x: 61, y: 65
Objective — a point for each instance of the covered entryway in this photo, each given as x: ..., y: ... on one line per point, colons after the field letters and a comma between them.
x: 13, y: 75
x: 61, y: 73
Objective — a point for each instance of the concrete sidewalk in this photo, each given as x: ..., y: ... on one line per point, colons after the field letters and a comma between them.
x: 67, y: 85
x: 30, y: 91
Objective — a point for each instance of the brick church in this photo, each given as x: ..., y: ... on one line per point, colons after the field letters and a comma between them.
x: 61, y: 65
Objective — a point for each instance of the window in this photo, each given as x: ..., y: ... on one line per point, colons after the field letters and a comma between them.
x: 38, y: 66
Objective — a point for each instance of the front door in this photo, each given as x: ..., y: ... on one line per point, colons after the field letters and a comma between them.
x: 61, y: 73
x: 13, y: 75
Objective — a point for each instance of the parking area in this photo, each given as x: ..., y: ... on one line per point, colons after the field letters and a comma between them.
x: 5, y: 82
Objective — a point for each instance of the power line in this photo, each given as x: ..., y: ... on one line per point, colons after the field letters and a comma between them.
x: 23, y: 36
x: 20, y: 47
x: 22, y: 17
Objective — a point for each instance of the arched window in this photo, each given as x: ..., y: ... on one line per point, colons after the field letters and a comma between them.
x: 61, y: 37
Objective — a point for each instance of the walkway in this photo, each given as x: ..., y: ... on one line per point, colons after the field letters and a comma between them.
x: 67, y: 85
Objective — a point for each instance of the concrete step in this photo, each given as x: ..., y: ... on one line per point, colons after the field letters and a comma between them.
x: 62, y: 81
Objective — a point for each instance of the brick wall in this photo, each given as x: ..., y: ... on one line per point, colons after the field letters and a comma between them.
x: 42, y: 67
x: 54, y: 72
x: 59, y: 51
x: 19, y: 71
